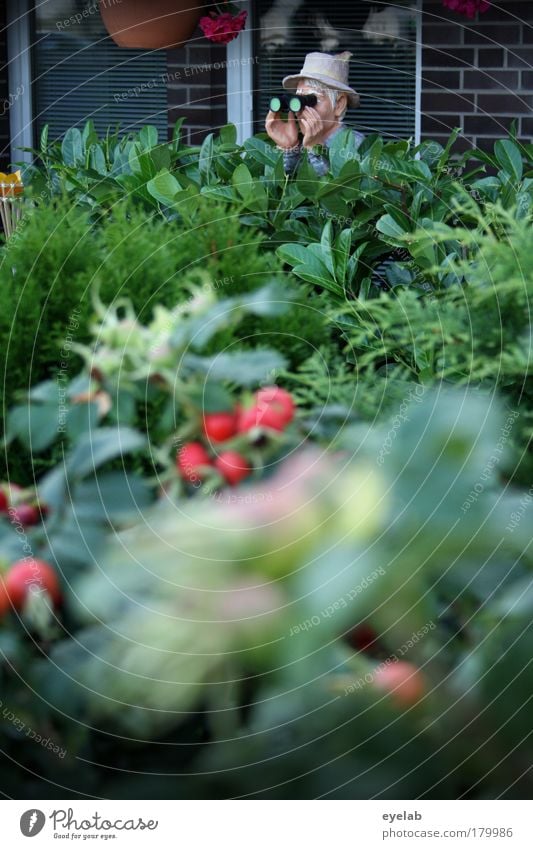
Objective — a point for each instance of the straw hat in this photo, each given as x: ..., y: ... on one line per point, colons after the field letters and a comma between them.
x: 330, y: 70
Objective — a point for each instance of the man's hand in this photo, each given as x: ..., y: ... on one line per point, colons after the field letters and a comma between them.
x: 312, y: 127
x: 284, y: 133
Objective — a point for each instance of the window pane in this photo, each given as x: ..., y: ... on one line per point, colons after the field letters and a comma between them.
x: 80, y: 73
x: 382, y: 39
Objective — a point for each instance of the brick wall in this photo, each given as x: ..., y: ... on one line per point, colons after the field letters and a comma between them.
x: 477, y: 75
x: 197, y: 87
x: 4, y: 93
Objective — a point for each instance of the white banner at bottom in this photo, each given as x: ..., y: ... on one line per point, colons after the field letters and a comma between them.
x: 266, y: 824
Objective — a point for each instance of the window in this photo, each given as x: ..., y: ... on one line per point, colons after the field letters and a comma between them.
x: 382, y: 38
x: 80, y: 73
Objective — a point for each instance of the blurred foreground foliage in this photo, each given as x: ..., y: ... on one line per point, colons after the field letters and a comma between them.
x: 208, y: 651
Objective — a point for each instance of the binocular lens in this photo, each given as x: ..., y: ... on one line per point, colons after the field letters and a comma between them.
x: 296, y: 104
x: 293, y: 104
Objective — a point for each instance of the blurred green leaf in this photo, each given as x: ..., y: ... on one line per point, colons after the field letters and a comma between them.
x: 96, y: 448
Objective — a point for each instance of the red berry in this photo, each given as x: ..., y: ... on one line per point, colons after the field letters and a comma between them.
x: 189, y: 460
x: 26, y: 514
x: 20, y: 511
x: 279, y: 399
x: 363, y: 637
x: 233, y: 467
x: 220, y: 426
x: 31, y: 573
x: 402, y: 680
x: 261, y: 416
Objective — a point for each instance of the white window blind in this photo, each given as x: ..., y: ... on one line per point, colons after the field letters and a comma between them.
x: 381, y: 37
x: 80, y: 73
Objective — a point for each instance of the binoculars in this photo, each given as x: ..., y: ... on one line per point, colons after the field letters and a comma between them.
x: 296, y: 103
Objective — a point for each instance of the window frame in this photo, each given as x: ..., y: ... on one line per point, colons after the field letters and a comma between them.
x: 19, y: 46
x: 240, y: 77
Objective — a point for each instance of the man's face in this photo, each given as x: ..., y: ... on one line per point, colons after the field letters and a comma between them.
x: 324, y: 106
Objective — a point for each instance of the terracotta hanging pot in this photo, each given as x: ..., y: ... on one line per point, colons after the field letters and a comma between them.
x: 150, y: 24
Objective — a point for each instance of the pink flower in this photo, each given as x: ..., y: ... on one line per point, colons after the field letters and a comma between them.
x: 223, y: 28
x: 467, y: 7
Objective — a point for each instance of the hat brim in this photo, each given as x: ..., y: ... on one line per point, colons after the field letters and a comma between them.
x: 291, y: 83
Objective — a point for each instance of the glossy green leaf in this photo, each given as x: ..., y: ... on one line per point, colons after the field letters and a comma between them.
x: 164, y: 187
x: 390, y: 228
x: 228, y: 134
x: 243, y: 182
x: 205, y: 159
x: 148, y: 136
x: 262, y: 152
x: 72, y: 147
x: 97, y: 159
x: 509, y: 157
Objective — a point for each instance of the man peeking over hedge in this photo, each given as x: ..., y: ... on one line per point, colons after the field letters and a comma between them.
x: 326, y: 77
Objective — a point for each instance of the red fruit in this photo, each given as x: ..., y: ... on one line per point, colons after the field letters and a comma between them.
x: 279, y: 399
x: 220, y: 426
x: 30, y: 573
x: 402, y: 680
x: 26, y: 514
x: 261, y: 416
x: 190, y: 458
x: 233, y: 467
x: 363, y: 637
x: 20, y: 511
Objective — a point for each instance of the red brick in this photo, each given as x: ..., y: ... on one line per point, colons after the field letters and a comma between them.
x: 447, y: 102
x: 439, y: 34
x: 195, y: 116
x: 456, y: 57
x: 177, y: 96
x: 505, y: 104
x: 497, y: 34
x: 520, y: 57
x: 440, y: 123
x: 440, y: 79
x: 487, y: 125
x: 490, y: 79
x: 490, y: 57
